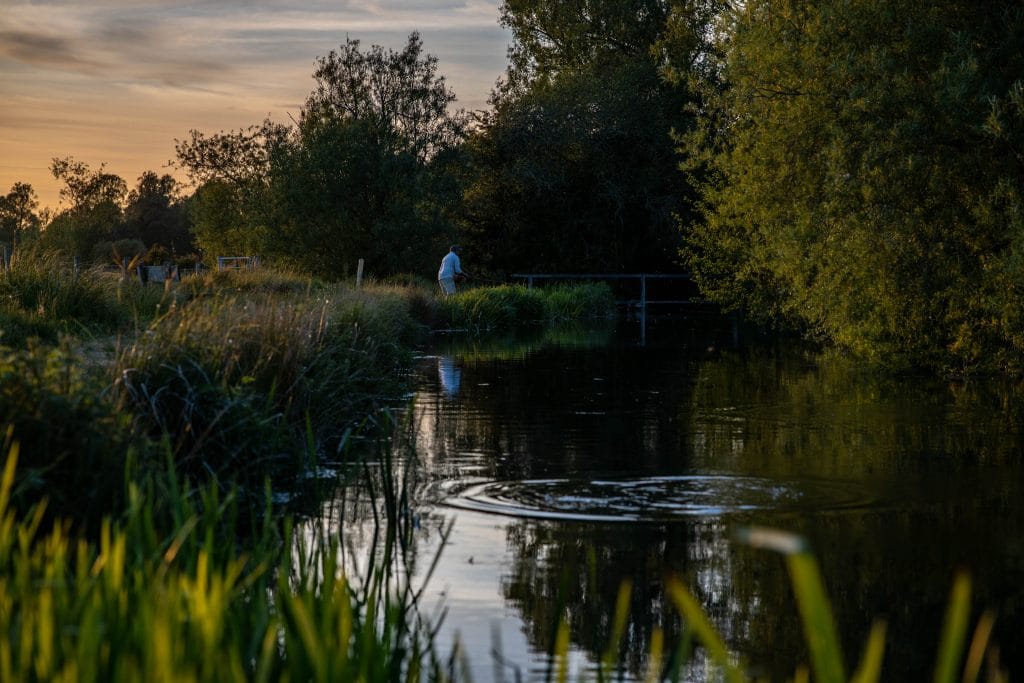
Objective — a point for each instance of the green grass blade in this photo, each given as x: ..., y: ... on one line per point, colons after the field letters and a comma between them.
x: 611, y: 654
x: 870, y: 669
x: 698, y: 622
x: 954, y: 631
x: 816, y: 614
x: 815, y: 610
x: 979, y: 646
x: 562, y: 652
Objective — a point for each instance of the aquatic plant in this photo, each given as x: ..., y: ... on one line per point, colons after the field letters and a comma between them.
x: 573, y: 301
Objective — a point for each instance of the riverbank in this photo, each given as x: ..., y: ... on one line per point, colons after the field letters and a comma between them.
x: 146, y: 432
x: 161, y: 539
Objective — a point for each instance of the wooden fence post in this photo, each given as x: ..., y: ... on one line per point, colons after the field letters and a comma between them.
x: 359, y: 274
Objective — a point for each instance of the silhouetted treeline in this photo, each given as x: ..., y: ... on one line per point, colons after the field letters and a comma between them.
x: 850, y: 170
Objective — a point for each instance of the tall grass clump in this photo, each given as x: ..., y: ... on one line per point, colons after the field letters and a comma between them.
x: 487, y: 309
x: 244, y: 384
x: 148, y: 601
x: 257, y: 281
x: 44, y: 299
x: 55, y: 299
x: 75, y: 443
x: 574, y: 301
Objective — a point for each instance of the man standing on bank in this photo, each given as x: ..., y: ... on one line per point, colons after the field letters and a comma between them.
x: 451, y: 271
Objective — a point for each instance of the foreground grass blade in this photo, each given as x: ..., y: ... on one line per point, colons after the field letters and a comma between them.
x: 870, y: 669
x: 611, y: 655
x: 979, y: 645
x: 698, y: 622
x: 954, y: 631
x: 815, y: 612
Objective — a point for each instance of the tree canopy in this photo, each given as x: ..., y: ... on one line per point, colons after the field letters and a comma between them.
x: 864, y: 179
x: 353, y: 178
x: 18, y: 217
x: 576, y: 168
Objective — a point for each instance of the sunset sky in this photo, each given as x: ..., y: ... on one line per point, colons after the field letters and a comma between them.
x: 117, y: 81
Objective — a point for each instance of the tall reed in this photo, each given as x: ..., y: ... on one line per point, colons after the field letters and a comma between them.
x: 148, y: 600
x: 44, y: 298
x: 485, y: 309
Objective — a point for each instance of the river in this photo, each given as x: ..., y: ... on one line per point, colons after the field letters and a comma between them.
x: 569, y: 461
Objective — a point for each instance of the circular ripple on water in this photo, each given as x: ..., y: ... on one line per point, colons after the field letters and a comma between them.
x: 654, y: 499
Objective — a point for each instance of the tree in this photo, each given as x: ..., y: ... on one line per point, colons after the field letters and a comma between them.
x: 353, y: 179
x: 155, y: 215
x: 396, y: 95
x: 84, y: 188
x: 231, y: 208
x: 345, y: 196
x: 555, y: 36
x: 576, y: 168
x: 578, y: 175
x: 96, y: 208
x: 18, y: 217
x: 864, y: 181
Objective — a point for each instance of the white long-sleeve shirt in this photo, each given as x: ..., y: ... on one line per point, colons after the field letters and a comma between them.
x: 450, y: 266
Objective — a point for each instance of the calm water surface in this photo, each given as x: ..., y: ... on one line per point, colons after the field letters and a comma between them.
x: 570, y: 461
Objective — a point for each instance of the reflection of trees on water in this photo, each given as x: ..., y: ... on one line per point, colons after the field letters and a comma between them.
x: 574, y: 572
x: 933, y: 471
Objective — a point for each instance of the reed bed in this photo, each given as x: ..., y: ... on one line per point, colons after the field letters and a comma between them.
x: 186, y: 601
x: 45, y: 299
x: 244, y: 384
x: 488, y: 309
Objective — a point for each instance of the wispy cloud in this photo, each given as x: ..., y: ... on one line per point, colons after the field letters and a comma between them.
x: 128, y: 71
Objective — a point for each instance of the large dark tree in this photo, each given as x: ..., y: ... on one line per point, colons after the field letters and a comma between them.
x: 355, y: 178
x: 576, y: 168
x: 866, y: 176
x: 154, y: 214
x: 231, y: 208
x: 96, y: 201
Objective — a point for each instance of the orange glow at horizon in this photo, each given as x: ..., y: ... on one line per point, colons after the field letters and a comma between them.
x: 117, y: 82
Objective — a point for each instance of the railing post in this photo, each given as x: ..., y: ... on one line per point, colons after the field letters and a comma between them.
x: 529, y: 282
x: 643, y: 292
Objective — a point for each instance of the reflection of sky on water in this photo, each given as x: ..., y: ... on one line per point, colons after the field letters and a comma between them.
x: 450, y: 375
